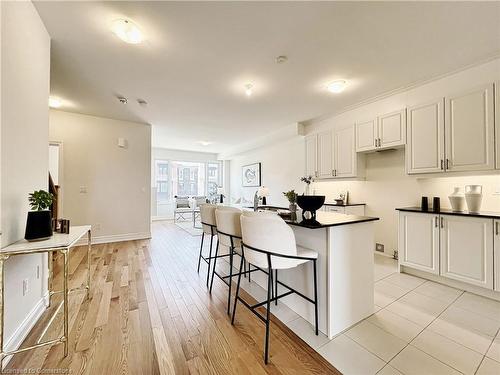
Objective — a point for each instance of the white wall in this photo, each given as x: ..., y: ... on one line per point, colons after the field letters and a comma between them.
x: 386, y: 185
x: 281, y: 169
x: 117, y: 180
x: 25, y: 67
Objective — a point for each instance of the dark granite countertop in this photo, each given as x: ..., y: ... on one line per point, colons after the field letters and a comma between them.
x: 344, y: 205
x: 447, y: 211
x: 329, y: 219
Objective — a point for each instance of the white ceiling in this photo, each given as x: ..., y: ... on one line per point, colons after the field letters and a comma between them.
x: 199, y: 55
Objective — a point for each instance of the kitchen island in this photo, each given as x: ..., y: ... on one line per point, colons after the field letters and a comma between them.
x: 345, y: 246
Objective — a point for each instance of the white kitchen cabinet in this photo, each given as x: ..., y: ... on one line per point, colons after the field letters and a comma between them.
x: 466, y: 249
x: 496, y: 254
x: 325, y: 158
x: 469, y: 124
x: 419, y: 241
x: 497, y: 122
x: 345, y: 160
x: 425, y: 151
x: 392, y: 129
x: 387, y: 131
x: 311, y: 155
x: 366, y: 135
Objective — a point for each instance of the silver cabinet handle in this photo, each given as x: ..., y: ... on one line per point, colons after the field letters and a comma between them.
x: 497, y: 228
x: 447, y: 163
x: 375, y: 141
x: 442, y: 164
x: 436, y: 221
x: 442, y: 222
x: 379, y: 143
x: 333, y: 172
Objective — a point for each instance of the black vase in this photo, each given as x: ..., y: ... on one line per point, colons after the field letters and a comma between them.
x: 38, y: 225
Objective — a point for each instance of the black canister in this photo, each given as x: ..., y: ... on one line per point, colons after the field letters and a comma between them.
x: 425, y: 204
x: 436, y: 204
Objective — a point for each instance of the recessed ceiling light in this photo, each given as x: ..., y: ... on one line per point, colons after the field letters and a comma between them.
x: 54, y: 102
x: 204, y: 143
x: 281, y: 59
x: 248, y: 89
x: 337, y: 86
x: 127, y: 31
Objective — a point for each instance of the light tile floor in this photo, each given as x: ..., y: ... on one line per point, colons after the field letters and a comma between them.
x: 418, y: 327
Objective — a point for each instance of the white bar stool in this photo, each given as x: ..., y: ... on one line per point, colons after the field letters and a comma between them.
x: 209, y: 226
x: 269, y: 243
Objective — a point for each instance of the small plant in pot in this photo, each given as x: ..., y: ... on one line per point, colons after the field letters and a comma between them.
x: 292, y: 199
x: 39, y: 223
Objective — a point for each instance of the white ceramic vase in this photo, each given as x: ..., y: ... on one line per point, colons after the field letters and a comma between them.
x: 474, y: 197
x: 457, y: 200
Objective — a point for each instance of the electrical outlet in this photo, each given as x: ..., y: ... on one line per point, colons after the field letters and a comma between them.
x: 379, y: 247
x: 25, y: 286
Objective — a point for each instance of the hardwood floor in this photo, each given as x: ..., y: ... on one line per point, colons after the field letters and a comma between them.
x: 151, y: 313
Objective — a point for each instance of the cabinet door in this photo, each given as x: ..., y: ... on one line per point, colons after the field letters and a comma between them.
x: 497, y: 121
x: 325, y: 155
x: 419, y: 241
x: 311, y: 155
x: 366, y: 133
x: 392, y: 129
x: 470, y: 130
x: 467, y: 249
x: 425, y: 132
x: 344, y: 153
x: 496, y: 254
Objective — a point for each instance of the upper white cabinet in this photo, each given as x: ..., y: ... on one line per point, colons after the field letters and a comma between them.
x: 366, y: 135
x: 311, y: 155
x: 344, y: 153
x: 469, y: 124
x: 419, y: 241
x: 392, y: 129
x: 324, y: 156
x: 497, y: 122
x: 425, y: 138
x: 467, y: 249
x: 386, y: 131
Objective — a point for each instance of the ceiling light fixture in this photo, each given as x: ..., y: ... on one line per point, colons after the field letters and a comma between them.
x: 248, y: 89
x: 127, y: 31
x: 54, y: 102
x: 281, y: 59
x: 204, y: 143
x: 337, y: 86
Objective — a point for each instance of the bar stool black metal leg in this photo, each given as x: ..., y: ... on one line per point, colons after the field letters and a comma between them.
x: 210, y: 256
x: 245, y: 269
x: 268, y: 307
x: 215, y: 263
x: 276, y: 287
x: 272, y: 282
x: 237, y: 289
x: 230, y: 280
x: 201, y: 248
x: 315, y: 297
x: 249, y: 273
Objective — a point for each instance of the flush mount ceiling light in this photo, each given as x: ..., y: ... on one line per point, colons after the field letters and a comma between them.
x: 337, y: 86
x: 54, y: 102
x: 204, y: 143
x: 248, y: 89
x: 127, y: 31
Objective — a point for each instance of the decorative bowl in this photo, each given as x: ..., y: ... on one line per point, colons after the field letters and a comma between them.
x: 310, y: 203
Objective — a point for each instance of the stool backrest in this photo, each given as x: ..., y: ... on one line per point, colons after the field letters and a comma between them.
x: 228, y: 221
x: 207, y: 213
x: 268, y: 232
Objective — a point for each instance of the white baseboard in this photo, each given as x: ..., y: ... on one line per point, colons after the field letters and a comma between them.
x: 116, y: 238
x: 22, y: 331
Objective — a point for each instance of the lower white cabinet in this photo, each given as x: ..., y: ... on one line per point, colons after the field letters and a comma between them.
x: 462, y: 248
x: 467, y: 249
x: 496, y: 254
x: 419, y: 241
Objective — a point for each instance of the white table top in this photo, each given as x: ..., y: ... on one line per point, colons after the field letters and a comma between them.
x: 57, y: 241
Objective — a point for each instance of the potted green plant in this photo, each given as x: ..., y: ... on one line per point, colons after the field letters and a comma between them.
x: 292, y: 199
x: 39, y: 222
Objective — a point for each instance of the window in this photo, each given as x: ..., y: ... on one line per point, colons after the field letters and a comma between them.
x: 161, y: 174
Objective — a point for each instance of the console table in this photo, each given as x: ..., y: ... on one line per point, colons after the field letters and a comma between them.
x: 61, y: 243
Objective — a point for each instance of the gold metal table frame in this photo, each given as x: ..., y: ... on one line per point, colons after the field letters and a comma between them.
x: 61, y: 243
